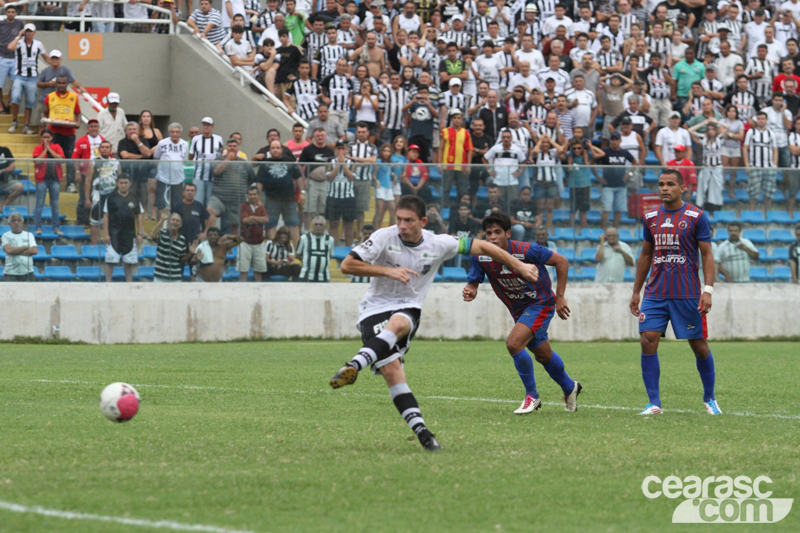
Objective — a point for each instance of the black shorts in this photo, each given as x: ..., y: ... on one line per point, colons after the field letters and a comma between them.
x: 374, y: 324
x: 340, y: 208
x: 580, y: 198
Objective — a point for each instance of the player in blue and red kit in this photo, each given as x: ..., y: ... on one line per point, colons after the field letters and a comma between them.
x: 531, y: 304
x: 675, y: 236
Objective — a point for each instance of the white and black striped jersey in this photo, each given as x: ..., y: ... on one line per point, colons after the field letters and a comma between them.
x: 761, y: 87
x: 547, y: 8
x: 279, y: 252
x: 453, y: 101
x: 657, y: 86
x: 520, y: 136
x: 26, y: 58
x: 338, y: 89
x: 50, y: 4
x: 305, y: 94
x: 433, y: 67
x: 714, y: 86
x: 313, y: 43
x: 544, y: 129
x: 517, y: 107
x: 346, y: 36
x: 608, y: 59
x: 363, y: 171
x: 205, y: 149
x: 547, y: 164
x: 327, y: 57
x: 479, y: 29
x: 625, y: 22
x: 247, y: 37
x: 341, y: 187
x: 560, y: 76
x: 217, y: 33
x: 617, y: 41
x: 315, y: 253
x: 266, y: 19
x: 407, y: 53
x: 712, y: 151
x: 535, y: 31
x: 735, y: 34
x: 759, y: 146
x: 252, y: 5
x: 696, y: 105
x: 794, y: 140
x: 534, y: 115
x: 506, y: 60
x: 706, y: 27
x: 390, y: 103
x: 745, y: 103
x: 658, y: 46
x: 461, y: 38
x: 644, y: 64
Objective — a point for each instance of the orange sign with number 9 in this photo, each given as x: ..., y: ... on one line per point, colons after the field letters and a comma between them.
x: 85, y: 46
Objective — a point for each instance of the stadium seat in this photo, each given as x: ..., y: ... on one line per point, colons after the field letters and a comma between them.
x: 645, y: 190
x: 232, y: 254
x: 28, y: 186
x: 781, y: 217
x: 763, y: 256
x: 629, y: 276
x: 590, y: 234
x: 741, y: 195
x: 565, y: 194
x: 59, y: 273
x: 625, y: 219
x: 65, y: 253
x: 41, y: 255
x: 2, y: 272
x: 231, y: 274
x: 779, y: 254
x: 434, y: 174
x: 724, y: 217
x: 587, y: 255
x: 454, y: 274
x: 628, y: 236
x: 781, y: 273
x: 445, y: 213
x: 9, y: 209
x: 753, y: 217
x: 569, y: 253
x: 38, y: 276
x: 758, y: 236
x: 436, y: 195
x: 47, y: 234
x: 571, y: 274
x: 119, y: 274
x: 561, y: 215
x: 47, y: 214
x: 186, y: 274
x: 4, y: 229
x: 453, y: 192
x: 720, y: 235
x: 2, y: 255
x: 650, y: 176
x: 340, y: 252
x: 277, y: 278
x: 651, y: 159
x: 564, y: 234
x: 93, y: 252
x: 483, y: 194
x: 594, y: 194
x: 780, y: 235
x: 90, y: 273
x: 149, y: 252
x: 438, y: 278
x: 758, y: 274
x: 587, y: 273
x: 778, y: 196
x: 593, y: 216
x: 147, y: 272
x: 75, y: 232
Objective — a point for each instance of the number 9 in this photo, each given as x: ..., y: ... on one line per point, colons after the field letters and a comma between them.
x: 84, y: 46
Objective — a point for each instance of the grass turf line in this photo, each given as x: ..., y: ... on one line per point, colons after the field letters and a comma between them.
x: 248, y: 456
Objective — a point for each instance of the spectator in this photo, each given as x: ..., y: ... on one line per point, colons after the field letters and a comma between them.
x: 779, y: 122
x: 48, y: 76
x: 121, y: 217
x: 253, y: 216
x: 231, y: 179
x: 734, y: 256
x: 494, y: 117
x: 263, y: 152
x: 366, y: 233
x: 580, y: 177
x: 364, y: 154
x: 384, y: 195
x: 366, y: 105
x: 787, y: 73
x: 137, y: 155
x: 612, y: 257
x: 337, y: 92
x: 633, y: 143
x: 548, y: 178
x: 172, y: 250
x: 172, y: 152
x: 48, y: 179
x: 481, y: 143
x: 614, y: 179
x: 106, y: 9
x: 305, y: 92
x: 421, y: 117
x: 726, y: 62
x: 26, y: 73
x: 745, y: 101
x: 239, y: 50
x: 10, y: 27
x: 210, y: 255
x: 297, y: 143
x: 195, y: 219
x: 280, y: 256
x: 316, y: 247
x: 732, y: 145
x: 281, y: 184
x: 794, y: 256
x: 685, y: 73
x: 583, y: 102
x: 150, y: 136
x: 341, y: 203
x: 205, y: 148
x: 63, y: 111
x: 112, y: 120
x: 134, y: 10
x: 101, y: 180
x: 566, y: 118
x: 543, y: 239
x: 231, y: 8
x: 11, y: 187
x: 463, y: 226
x: 760, y: 71
x: 525, y: 217
x: 455, y: 147
x: 317, y: 183
x: 19, y: 247
x: 87, y: 148
x: 414, y: 179
x: 642, y: 123
x: 505, y: 159
x: 711, y: 181
x: 286, y: 72
x: 760, y: 154
x: 391, y: 102
x: 333, y: 128
x: 492, y: 203
x: 206, y: 21
x: 792, y: 176
x: 670, y: 137
x: 611, y: 94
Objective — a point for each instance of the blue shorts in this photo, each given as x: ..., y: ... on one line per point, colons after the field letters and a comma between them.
x: 537, y: 319
x: 687, y: 322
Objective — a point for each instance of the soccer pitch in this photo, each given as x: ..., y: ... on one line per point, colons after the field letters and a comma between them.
x: 249, y: 437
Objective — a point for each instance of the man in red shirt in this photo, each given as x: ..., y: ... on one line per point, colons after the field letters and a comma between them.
x: 686, y: 168
x: 86, y: 149
x: 455, y: 147
x: 787, y: 72
x: 62, y: 107
x: 252, y: 253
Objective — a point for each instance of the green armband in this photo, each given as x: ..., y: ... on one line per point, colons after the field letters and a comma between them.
x: 464, y: 245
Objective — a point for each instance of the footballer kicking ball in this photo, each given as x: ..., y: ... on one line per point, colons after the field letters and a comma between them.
x: 119, y: 402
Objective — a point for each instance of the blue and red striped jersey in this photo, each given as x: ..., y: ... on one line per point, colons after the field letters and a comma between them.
x: 676, y: 253
x: 513, y: 290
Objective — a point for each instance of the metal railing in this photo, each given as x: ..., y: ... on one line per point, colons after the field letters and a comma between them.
x: 82, y: 18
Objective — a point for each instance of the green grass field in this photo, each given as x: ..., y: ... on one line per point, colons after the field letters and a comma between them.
x: 248, y: 436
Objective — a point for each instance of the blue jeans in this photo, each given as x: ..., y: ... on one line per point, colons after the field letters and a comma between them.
x: 103, y: 27
x: 28, y: 83
x: 7, y: 67
x: 41, y: 190
x: 203, y: 191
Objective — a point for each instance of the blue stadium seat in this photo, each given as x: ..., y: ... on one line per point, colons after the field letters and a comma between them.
x: 41, y: 255
x: 645, y: 190
x: 9, y: 209
x: 47, y: 214
x: 753, y: 217
x: 93, y: 252
x: 587, y: 273
x: 758, y: 236
x: 38, y: 276
x: 277, y: 278
x: 625, y: 219
x: 571, y: 275
x: 763, y: 256
x: 90, y: 273
x: 587, y: 255
x: 65, y: 253
x: 186, y: 275
x: 759, y: 274
x: 4, y: 229
x: 630, y: 277
x: 593, y: 216
x: 565, y: 194
x: 119, y: 274
x: 47, y: 234
x: 231, y: 274
x: 149, y: 252
x: 561, y: 215
x: 781, y: 273
x: 564, y: 234
x: 435, y: 194
x: 781, y: 217
x: 434, y: 174
x: 594, y: 194
x: 569, y: 253
x: 741, y: 195
x: 453, y: 192
x: 2, y: 272
x: 75, y: 232
x: 590, y: 234
x: 438, y: 278
x: 147, y: 272
x: 629, y: 236
x: 720, y: 235
x: 2, y: 255
x: 446, y: 213
x: 651, y: 159
x: 58, y: 273
x: 232, y: 254
x: 778, y: 196
x: 340, y: 252
x: 779, y: 254
x: 650, y: 176
x: 483, y: 194
x: 724, y: 217
x: 780, y: 235
x: 454, y: 274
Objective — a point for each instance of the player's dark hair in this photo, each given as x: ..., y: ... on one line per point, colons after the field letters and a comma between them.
x: 735, y: 223
x: 673, y: 172
x: 123, y: 176
x: 496, y: 219
x: 413, y: 203
x: 213, y: 229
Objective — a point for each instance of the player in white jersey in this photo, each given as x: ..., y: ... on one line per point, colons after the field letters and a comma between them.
x: 402, y: 261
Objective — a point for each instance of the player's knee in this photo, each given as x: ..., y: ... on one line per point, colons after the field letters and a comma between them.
x: 514, y: 346
x: 399, y: 325
x: 701, y: 349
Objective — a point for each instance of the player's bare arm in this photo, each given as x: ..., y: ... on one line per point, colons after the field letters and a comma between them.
x: 526, y: 270
x: 356, y: 267
x: 642, y: 268
x: 561, y: 265
x: 704, y: 305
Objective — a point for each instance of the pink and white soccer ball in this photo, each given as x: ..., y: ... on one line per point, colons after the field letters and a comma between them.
x: 119, y: 402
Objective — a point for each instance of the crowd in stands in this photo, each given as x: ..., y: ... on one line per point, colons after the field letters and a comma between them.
x: 530, y: 92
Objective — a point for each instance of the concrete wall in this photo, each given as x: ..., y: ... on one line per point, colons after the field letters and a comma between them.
x: 150, y: 313
x: 176, y: 78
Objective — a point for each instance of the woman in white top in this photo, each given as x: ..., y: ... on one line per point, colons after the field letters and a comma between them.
x: 710, y: 181
x: 633, y: 143
x: 732, y: 145
x: 677, y: 48
x: 470, y: 86
x: 366, y: 104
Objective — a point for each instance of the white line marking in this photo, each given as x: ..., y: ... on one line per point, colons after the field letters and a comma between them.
x: 72, y: 515
x: 449, y: 398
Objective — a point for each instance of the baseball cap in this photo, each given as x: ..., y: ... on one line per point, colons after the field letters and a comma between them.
x: 680, y: 148
x: 711, y: 8
x: 682, y: 16
x: 455, y: 111
x: 93, y: 121
x: 340, y: 143
x: 414, y: 147
x: 379, y: 3
x: 531, y: 8
x: 29, y: 27
x: 55, y: 53
x: 674, y: 114
x: 113, y: 98
x: 616, y: 135
x: 723, y: 27
x: 454, y: 81
x: 711, y: 67
x: 626, y: 120
x: 208, y: 120
x: 760, y: 12
x: 457, y: 17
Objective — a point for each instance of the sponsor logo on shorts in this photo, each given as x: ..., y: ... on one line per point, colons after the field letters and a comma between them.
x: 641, y: 317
